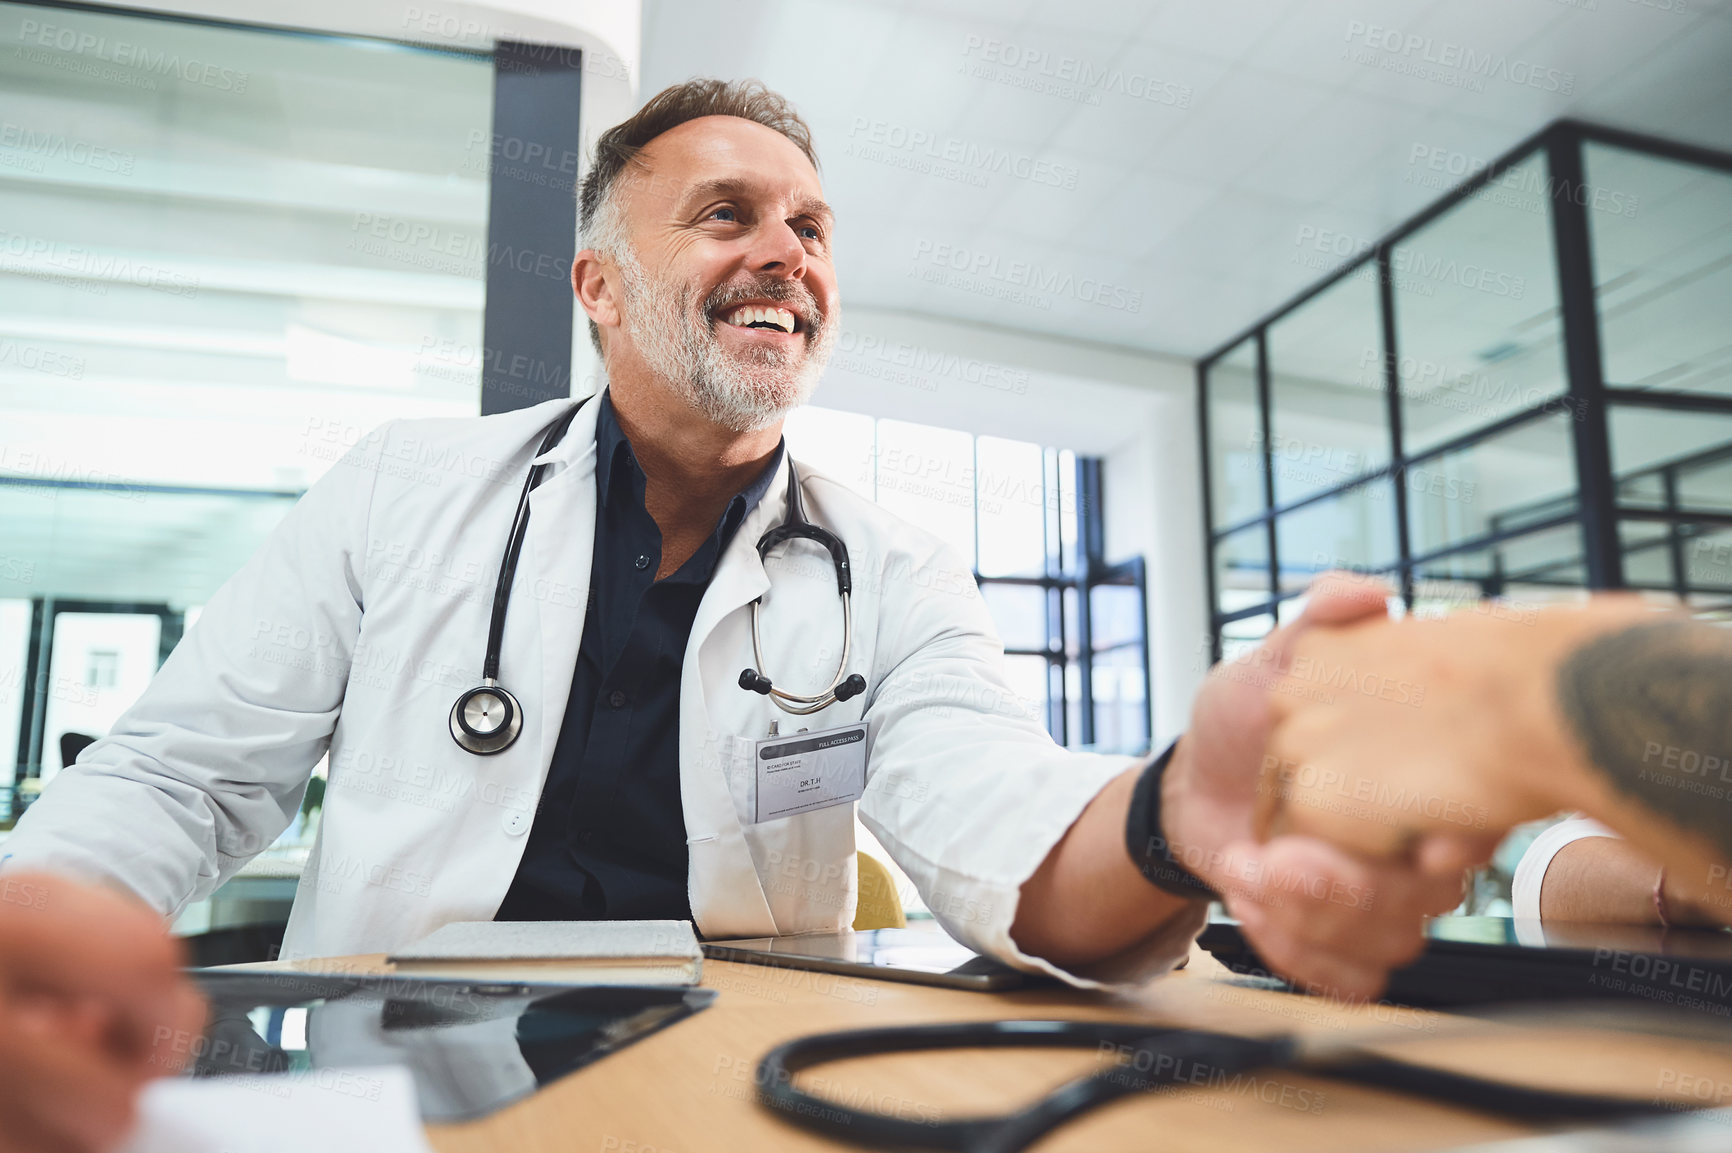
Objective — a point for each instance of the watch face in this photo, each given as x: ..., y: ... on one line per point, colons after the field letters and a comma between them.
x: 485, y: 713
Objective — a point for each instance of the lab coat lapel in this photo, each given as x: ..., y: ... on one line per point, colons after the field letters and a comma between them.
x: 727, y: 894
x: 740, y: 577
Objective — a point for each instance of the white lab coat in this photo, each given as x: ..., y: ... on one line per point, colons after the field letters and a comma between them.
x: 365, y: 614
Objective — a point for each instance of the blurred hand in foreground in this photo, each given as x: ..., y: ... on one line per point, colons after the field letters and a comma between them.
x: 93, y: 1004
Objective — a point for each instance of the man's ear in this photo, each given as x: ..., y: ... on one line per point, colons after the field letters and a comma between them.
x: 594, y: 289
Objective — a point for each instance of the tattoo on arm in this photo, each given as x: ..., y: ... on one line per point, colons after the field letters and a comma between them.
x: 1652, y: 705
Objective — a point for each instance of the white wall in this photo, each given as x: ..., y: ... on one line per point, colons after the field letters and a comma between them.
x: 1135, y: 410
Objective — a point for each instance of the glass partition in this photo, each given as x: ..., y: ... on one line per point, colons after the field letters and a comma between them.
x: 1662, y: 246
x: 1235, y: 450
x: 1494, y: 482
x: 1242, y: 569
x: 1706, y: 552
x: 1328, y: 421
x: 1349, y: 530
x: 1510, y: 480
x: 1476, y: 313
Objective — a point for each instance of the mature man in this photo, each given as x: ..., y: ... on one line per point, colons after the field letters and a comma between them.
x: 632, y: 789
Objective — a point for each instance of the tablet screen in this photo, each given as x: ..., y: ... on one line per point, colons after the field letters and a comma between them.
x: 471, y: 1046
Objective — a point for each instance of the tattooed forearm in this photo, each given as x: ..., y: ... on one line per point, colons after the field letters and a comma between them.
x: 1652, y: 706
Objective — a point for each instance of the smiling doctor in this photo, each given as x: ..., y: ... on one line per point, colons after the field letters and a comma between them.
x: 610, y: 759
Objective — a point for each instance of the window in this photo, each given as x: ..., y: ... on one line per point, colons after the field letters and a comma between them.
x: 213, y: 281
x: 1028, y: 520
x: 1661, y: 234
x: 102, y: 668
x: 1328, y: 422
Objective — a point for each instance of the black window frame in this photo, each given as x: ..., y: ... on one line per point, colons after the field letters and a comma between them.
x: 1594, y: 505
x: 1078, y: 570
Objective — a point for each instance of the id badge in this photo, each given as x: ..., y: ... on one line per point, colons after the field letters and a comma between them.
x: 806, y: 771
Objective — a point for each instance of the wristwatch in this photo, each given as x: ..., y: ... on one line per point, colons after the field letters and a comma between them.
x: 1146, y: 841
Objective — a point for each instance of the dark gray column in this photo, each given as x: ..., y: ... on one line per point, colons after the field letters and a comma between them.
x: 531, y: 225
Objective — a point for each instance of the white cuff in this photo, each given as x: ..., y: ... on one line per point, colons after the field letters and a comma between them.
x: 1530, y: 874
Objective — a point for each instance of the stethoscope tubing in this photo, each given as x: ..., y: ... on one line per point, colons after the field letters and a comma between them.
x: 1173, y: 1056
x: 488, y: 743
x: 1180, y: 1050
x: 514, y: 547
x: 842, y: 687
x: 795, y: 703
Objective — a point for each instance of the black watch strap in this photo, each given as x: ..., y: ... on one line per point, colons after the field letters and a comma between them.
x: 1147, y: 843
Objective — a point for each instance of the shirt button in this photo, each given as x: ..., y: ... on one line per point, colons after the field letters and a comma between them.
x: 616, y: 699
x: 515, y: 823
x: 641, y: 562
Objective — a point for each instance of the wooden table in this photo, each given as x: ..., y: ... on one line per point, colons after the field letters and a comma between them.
x: 689, y: 1088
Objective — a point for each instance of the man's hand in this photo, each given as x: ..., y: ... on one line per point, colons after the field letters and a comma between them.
x: 1318, y: 915
x: 92, y: 1005
x: 1388, y: 734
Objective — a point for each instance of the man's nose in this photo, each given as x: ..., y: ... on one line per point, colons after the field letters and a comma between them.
x: 777, y: 250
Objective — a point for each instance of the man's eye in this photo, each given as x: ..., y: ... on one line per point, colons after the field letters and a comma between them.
x: 726, y: 214
x: 808, y: 232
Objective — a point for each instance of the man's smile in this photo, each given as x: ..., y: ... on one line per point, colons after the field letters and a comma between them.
x: 761, y: 324
x: 769, y: 317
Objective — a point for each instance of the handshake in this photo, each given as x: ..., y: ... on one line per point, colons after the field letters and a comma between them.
x: 1335, y: 783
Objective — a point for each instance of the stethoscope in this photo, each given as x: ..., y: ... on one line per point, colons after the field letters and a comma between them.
x: 795, y: 524
x: 487, y: 718
x: 1147, y: 1057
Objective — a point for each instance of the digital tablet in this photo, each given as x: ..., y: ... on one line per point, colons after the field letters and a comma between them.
x: 1490, y: 960
x: 917, y: 956
x: 471, y: 1046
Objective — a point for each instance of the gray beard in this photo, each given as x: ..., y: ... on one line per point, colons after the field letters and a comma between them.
x: 744, y: 394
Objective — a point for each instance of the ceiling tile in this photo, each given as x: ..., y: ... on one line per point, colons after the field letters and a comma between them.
x: 1194, y: 153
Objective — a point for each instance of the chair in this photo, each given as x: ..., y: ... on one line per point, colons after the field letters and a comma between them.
x: 879, y: 907
x: 72, y: 744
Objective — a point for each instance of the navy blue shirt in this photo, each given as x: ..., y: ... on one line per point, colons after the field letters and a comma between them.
x: 609, y: 839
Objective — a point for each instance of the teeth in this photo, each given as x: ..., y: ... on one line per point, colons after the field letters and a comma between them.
x: 780, y: 317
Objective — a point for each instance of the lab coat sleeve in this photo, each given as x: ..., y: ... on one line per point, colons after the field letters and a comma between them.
x: 966, y: 790
x: 208, y: 767
x: 1530, y: 874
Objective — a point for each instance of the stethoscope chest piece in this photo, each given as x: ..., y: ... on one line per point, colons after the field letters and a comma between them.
x: 486, y: 719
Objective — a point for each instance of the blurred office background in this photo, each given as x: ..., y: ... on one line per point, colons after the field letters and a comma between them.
x: 1155, y: 308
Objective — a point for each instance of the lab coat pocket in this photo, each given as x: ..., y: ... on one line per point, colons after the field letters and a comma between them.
x: 806, y: 865
x: 733, y: 757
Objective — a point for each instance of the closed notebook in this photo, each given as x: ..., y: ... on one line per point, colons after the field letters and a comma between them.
x: 573, y: 952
